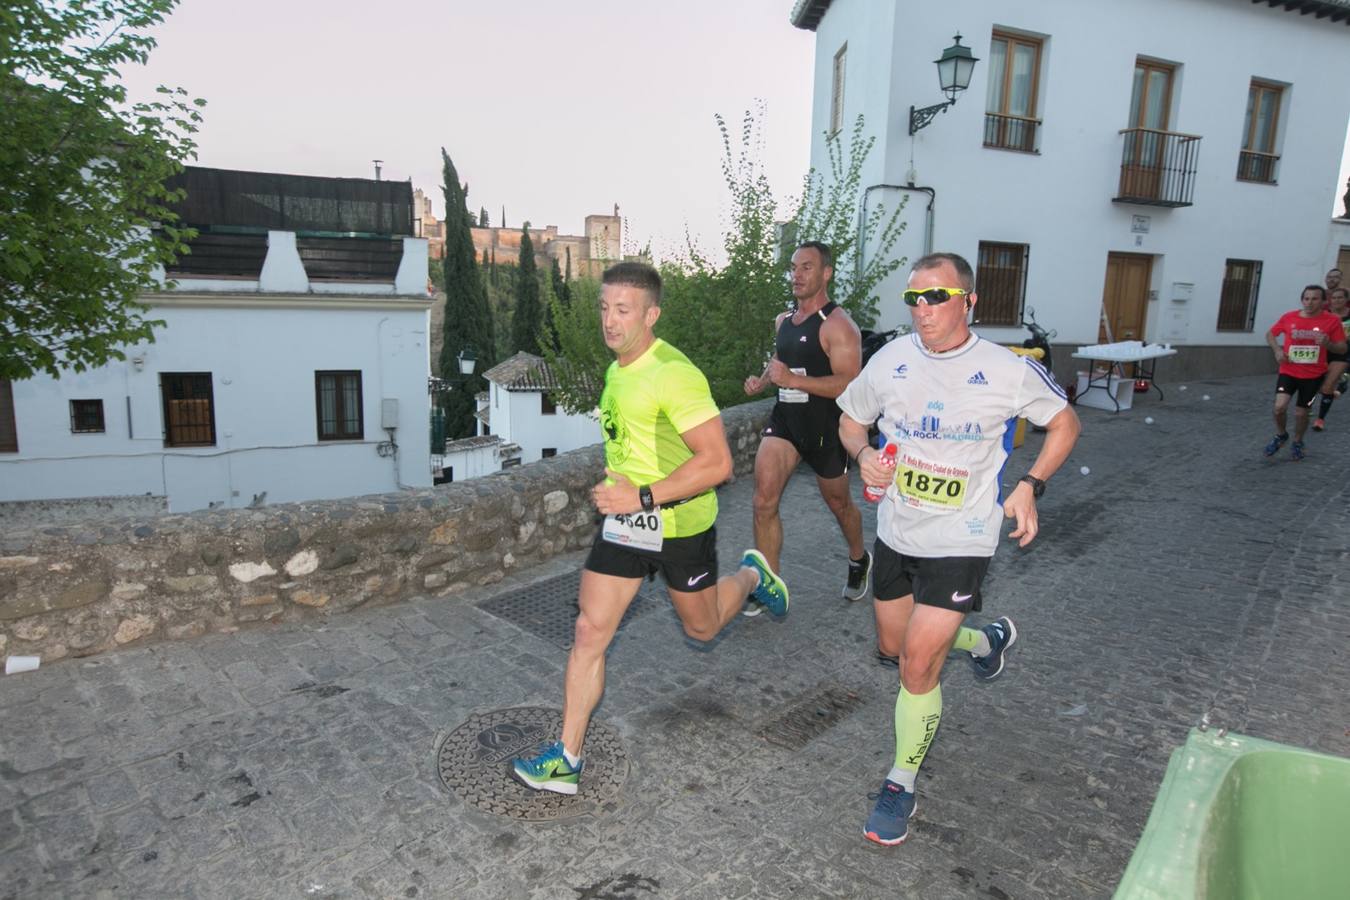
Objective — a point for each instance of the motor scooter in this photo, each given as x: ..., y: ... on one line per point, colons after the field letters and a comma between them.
x: 1040, y: 338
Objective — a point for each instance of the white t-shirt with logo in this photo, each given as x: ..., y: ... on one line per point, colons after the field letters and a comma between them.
x: 950, y: 414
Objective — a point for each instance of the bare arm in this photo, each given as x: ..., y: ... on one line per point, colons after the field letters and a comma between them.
x: 1274, y: 343
x: 757, y: 383
x: 1061, y: 435
x: 842, y: 343
x: 853, y: 435
x: 710, y: 465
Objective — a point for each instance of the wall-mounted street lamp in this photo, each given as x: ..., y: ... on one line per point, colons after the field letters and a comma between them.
x: 954, y: 70
x: 467, y: 360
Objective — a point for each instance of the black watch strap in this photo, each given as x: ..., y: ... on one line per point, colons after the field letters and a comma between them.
x: 1037, y: 486
x: 648, y: 501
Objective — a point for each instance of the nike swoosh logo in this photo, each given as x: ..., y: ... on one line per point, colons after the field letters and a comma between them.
x: 696, y: 579
x: 960, y: 598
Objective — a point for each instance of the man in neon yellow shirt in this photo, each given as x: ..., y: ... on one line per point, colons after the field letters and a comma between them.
x: 665, y: 452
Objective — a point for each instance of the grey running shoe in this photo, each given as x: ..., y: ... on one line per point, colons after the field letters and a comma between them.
x: 859, y: 574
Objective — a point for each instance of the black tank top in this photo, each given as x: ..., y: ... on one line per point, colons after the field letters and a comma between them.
x: 798, y: 346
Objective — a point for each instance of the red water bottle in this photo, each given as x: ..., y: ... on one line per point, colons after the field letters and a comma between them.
x: 874, y: 495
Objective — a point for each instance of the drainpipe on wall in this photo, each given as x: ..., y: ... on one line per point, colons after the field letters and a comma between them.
x: 928, y: 216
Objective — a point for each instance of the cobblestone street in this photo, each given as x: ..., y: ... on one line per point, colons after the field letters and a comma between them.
x: 1182, y: 574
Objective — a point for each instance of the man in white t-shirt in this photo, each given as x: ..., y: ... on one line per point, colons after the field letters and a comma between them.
x: 946, y: 398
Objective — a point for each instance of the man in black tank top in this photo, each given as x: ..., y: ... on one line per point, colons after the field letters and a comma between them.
x: 818, y: 351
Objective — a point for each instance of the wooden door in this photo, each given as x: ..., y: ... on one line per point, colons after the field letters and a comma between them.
x: 1125, y: 297
x: 1150, y: 113
x: 1343, y: 263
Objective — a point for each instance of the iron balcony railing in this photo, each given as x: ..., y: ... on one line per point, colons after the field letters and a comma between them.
x: 1010, y: 132
x: 1157, y: 168
x: 1256, y: 166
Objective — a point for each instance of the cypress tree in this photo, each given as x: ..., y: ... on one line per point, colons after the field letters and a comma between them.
x: 559, y: 292
x: 482, y: 217
x: 468, y: 320
x: 527, y: 318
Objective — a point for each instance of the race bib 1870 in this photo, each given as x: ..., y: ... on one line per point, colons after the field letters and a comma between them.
x: 640, y: 530
x: 1304, y: 353
x: 924, y: 484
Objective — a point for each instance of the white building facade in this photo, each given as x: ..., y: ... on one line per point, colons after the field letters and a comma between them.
x: 1171, y: 163
x: 270, y: 386
x: 519, y: 408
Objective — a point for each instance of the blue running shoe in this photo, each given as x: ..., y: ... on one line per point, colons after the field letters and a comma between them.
x: 1002, y: 634
x: 889, y: 822
x: 549, y: 771
x: 1275, y: 444
x: 772, y: 592
x: 1296, y: 451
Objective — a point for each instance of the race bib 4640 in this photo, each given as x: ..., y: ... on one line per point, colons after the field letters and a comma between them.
x: 640, y: 530
x: 924, y: 484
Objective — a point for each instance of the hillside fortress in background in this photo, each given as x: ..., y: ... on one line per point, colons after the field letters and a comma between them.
x: 590, y: 252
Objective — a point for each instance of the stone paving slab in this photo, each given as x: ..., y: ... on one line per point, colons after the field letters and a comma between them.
x: 1184, y: 574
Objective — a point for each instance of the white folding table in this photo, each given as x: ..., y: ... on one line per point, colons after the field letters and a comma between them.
x: 1142, y: 357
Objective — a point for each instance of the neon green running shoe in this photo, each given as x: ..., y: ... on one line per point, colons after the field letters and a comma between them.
x: 772, y: 590
x: 549, y: 771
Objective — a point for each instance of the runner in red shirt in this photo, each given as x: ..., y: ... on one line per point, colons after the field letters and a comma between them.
x: 1309, y: 333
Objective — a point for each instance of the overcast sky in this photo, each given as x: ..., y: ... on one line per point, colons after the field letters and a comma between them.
x: 553, y: 110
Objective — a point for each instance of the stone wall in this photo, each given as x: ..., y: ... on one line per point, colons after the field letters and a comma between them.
x: 16, y: 514
x: 85, y: 588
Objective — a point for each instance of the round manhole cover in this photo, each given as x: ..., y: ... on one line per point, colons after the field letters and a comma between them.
x: 474, y: 762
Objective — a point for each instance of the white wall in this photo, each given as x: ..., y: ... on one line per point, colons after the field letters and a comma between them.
x: 534, y: 431
x: 474, y: 463
x: 262, y: 355
x: 1059, y: 200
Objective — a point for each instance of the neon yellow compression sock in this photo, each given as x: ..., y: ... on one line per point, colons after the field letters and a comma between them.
x: 916, y: 721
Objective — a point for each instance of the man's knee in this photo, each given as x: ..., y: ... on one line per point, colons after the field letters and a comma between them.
x: 700, y: 631
x: 590, y: 637
x: 839, y: 501
x: 919, y: 673
x: 766, y: 501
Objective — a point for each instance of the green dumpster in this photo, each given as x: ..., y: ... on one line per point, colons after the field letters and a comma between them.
x: 1240, y: 818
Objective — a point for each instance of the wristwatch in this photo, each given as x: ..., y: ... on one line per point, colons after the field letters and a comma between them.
x: 649, y: 502
x: 1037, y: 486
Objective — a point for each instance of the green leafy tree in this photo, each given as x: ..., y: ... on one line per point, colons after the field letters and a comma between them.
x: 828, y: 211
x: 468, y: 320
x: 482, y: 217
x: 85, y: 222
x: 527, y: 320
x: 721, y: 314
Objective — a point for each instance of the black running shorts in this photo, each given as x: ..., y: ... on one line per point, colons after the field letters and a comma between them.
x: 947, y: 582
x: 1305, y: 388
x: 819, y: 446
x: 689, y: 564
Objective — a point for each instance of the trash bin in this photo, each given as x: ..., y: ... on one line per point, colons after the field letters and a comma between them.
x: 1239, y: 818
